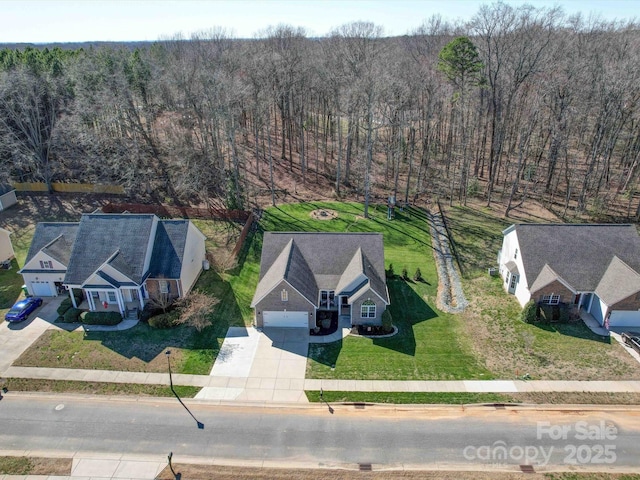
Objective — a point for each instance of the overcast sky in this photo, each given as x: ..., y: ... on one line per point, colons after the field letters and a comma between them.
x: 42, y: 21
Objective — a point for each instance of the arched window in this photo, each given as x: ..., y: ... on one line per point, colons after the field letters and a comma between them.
x: 368, y: 309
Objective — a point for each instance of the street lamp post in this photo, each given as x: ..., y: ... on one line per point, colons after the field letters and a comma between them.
x: 200, y: 424
x: 168, y: 353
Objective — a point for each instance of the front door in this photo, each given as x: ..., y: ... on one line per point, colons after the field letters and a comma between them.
x: 344, y: 306
x: 513, y: 283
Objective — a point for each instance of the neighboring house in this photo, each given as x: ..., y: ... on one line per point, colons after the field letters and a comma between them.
x: 303, y: 274
x: 117, y: 259
x: 7, y: 196
x: 6, y: 249
x: 592, y: 267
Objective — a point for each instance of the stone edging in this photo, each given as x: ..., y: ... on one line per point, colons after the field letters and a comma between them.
x: 388, y: 335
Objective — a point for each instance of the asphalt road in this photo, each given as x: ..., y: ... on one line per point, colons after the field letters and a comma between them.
x: 313, y: 435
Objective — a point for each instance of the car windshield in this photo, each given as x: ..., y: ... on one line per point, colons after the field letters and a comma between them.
x: 15, y: 310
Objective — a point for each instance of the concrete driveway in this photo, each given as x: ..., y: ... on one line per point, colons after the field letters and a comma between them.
x: 260, y: 366
x: 15, y: 338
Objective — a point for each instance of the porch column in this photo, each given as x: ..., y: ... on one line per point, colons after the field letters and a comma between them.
x: 73, y: 298
x: 140, y: 299
x: 89, y: 294
x: 120, y: 300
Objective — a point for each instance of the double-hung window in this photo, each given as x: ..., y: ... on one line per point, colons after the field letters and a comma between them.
x: 551, y: 299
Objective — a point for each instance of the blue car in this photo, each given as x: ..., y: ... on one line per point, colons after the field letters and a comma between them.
x: 21, y: 310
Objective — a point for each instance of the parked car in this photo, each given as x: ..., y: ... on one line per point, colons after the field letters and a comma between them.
x: 21, y: 310
x: 632, y: 340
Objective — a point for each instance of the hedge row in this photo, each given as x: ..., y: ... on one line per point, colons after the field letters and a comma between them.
x: 101, y: 318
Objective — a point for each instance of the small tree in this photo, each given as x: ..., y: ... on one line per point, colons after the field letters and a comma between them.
x: 387, y: 321
x: 195, y: 310
x: 529, y: 313
x: 417, y: 277
x: 160, y: 301
x: 405, y: 274
x: 390, y: 273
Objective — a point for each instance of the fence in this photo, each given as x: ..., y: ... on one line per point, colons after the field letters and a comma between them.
x: 167, y: 211
x: 243, y: 236
x: 69, y: 187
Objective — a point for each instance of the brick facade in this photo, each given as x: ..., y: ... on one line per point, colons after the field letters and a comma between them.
x: 554, y: 288
x: 153, y: 288
x: 273, y: 302
x: 356, y: 310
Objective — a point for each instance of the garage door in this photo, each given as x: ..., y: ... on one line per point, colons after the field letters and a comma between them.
x: 285, y: 319
x: 42, y: 289
x: 624, y: 318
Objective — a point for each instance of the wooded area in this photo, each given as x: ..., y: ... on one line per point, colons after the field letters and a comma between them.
x: 517, y: 104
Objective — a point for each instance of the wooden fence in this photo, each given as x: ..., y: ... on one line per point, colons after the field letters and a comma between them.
x: 69, y: 188
x: 167, y: 211
x: 243, y: 236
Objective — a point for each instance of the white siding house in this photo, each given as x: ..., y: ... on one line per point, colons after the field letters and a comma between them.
x: 595, y: 267
x: 6, y: 249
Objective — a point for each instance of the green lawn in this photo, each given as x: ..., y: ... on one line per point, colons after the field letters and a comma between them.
x: 142, y: 348
x: 501, y: 341
x: 430, y: 344
x: 10, y: 288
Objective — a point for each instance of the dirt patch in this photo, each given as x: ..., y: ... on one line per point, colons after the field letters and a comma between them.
x: 211, y: 472
x: 35, y: 466
x: 323, y: 214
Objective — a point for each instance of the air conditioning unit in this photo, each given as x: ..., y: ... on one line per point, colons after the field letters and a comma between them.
x: 493, y: 271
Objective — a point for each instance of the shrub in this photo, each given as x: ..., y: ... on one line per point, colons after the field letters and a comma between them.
x: 101, y: 318
x: 149, y: 311
x: 405, y: 274
x: 72, y: 315
x: 417, y: 277
x: 529, y: 312
x: 164, y: 320
x: 387, y: 321
x: 64, y: 306
x: 389, y: 271
x: 78, y: 296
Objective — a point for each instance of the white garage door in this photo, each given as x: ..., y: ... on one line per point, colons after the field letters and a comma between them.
x: 285, y: 319
x: 42, y: 289
x: 624, y: 318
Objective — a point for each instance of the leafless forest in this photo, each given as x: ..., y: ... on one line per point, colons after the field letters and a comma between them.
x: 519, y: 104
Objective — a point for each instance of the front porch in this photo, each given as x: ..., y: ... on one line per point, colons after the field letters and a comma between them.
x: 126, y: 301
x: 131, y: 309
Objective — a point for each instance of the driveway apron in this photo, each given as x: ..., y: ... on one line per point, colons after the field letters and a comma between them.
x: 260, y: 366
x: 15, y: 338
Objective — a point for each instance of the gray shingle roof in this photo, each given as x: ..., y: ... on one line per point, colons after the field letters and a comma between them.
x: 618, y: 282
x: 168, y: 249
x: 579, y: 253
x: 319, y: 260
x: 55, y: 238
x: 5, y: 188
x: 121, y: 239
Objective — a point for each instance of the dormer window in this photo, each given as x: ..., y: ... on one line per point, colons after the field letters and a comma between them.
x: 284, y: 295
x: 46, y: 264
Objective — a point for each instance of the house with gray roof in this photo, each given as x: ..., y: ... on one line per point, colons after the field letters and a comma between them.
x: 6, y: 248
x: 306, y: 274
x: 595, y: 267
x: 7, y: 196
x: 119, y: 261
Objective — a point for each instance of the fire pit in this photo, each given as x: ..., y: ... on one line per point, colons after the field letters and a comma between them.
x: 323, y: 214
